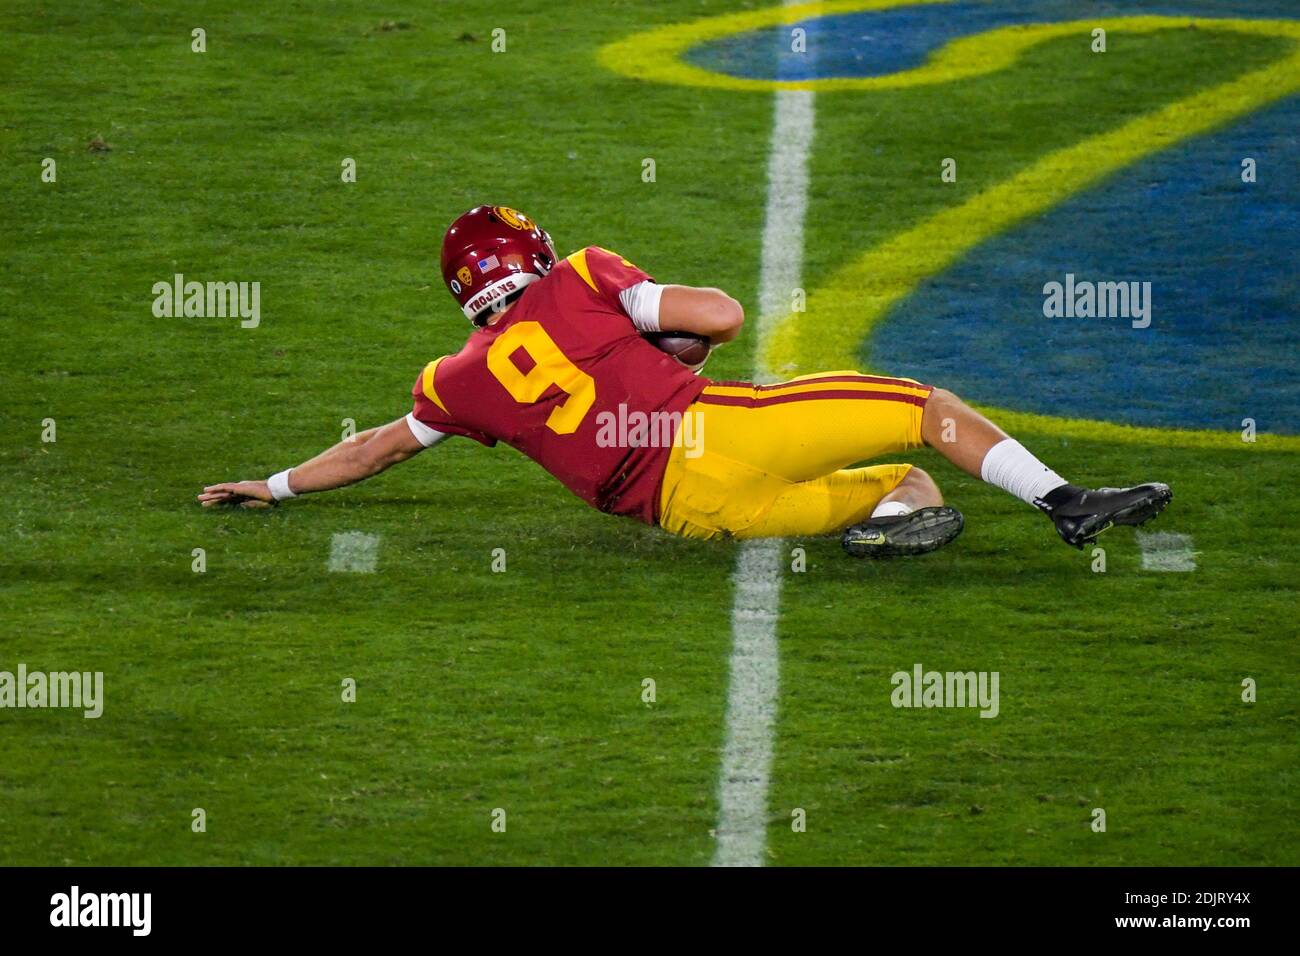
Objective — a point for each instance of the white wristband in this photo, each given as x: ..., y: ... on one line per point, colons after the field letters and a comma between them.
x: 279, y: 485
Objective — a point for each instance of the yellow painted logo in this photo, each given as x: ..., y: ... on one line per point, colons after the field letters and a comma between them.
x: 465, y: 276
x: 897, y: 265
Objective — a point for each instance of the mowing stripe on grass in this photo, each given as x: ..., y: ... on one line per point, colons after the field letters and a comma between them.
x: 754, y: 667
x: 1166, y: 551
x: 354, y: 552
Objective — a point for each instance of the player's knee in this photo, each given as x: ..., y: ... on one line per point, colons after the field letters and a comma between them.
x: 942, y: 398
x: 936, y: 408
x: 918, y: 475
x: 941, y: 406
x: 920, y: 479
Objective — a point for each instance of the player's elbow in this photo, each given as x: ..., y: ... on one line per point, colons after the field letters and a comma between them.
x: 384, y: 459
x: 724, y: 317
x: 366, y: 460
x: 700, y: 311
x: 386, y: 446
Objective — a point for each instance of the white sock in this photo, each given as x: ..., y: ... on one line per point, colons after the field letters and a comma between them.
x: 1011, y: 467
x: 887, y: 509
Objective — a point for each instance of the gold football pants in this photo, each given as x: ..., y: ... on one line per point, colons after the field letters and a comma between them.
x: 761, y: 461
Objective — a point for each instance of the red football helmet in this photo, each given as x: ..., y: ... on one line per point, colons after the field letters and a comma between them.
x: 489, y: 254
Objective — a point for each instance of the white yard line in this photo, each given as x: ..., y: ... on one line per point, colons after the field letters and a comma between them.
x: 754, y: 670
x: 1166, y: 551
x: 354, y: 552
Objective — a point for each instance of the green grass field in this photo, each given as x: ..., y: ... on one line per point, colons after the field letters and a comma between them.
x: 522, y: 690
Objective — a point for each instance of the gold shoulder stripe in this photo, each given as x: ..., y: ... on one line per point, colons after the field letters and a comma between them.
x: 610, y: 252
x: 430, y: 392
x: 579, y: 262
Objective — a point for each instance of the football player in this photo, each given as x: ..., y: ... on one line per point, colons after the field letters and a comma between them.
x: 560, y: 367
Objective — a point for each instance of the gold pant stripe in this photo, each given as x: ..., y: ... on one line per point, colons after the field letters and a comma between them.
x: 919, y: 391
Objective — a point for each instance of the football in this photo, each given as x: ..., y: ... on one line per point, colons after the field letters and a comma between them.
x: 687, y: 348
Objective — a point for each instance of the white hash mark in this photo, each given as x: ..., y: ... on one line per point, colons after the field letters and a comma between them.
x: 354, y: 552
x: 1166, y: 551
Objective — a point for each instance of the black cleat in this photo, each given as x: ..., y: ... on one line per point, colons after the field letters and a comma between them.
x: 1084, y: 513
x: 897, y: 535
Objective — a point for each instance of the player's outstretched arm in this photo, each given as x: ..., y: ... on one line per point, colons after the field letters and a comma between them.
x: 363, y: 455
x: 708, y: 312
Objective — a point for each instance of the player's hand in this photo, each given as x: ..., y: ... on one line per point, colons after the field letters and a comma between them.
x: 244, y: 494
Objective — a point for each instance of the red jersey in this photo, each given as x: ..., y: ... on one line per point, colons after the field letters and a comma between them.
x: 561, y: 377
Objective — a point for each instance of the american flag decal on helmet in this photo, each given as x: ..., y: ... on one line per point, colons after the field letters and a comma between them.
x: 487, y: 264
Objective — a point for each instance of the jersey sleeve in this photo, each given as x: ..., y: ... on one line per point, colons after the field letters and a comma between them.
x: 431, y: 412
x: 641, y: 303
x: 611, y: 272
x: 607, y: 273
